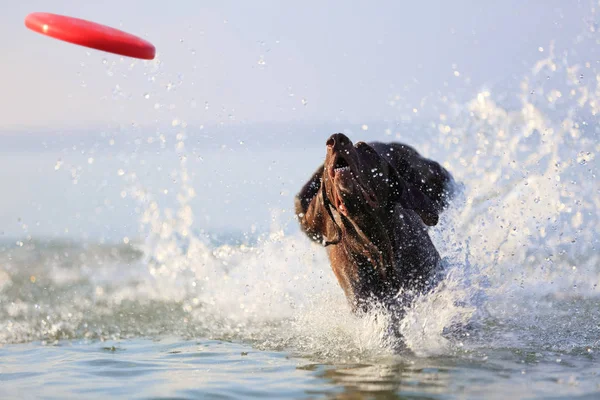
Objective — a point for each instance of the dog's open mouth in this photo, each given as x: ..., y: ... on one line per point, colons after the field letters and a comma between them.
x: 341, y: 165
x: 349, y: 186
x: 346, y: 185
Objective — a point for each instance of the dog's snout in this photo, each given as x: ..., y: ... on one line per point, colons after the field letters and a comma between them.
x: 338, y: 141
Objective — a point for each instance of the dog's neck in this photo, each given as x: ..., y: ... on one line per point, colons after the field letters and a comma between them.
x: 367, y: 242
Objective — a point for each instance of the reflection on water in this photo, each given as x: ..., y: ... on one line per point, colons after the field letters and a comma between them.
x: 530, y: 374
x: 171, y: 368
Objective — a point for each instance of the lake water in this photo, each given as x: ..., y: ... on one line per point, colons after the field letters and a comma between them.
x: 93, y: 320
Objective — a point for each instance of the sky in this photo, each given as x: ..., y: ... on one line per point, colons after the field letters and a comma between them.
x: 75, y: 124
x: 244, y: 62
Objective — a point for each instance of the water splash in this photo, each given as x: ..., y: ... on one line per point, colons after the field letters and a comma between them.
x: 529, y: 213
x: 520, y: 243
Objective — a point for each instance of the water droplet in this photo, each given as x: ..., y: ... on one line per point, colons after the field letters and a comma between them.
x: 90, y: 160
x: 365, y: 127
x: 58, y: 164
x: 120, y: 172
x: 304, y: 102
x: 146, y: 95
x: 541, y: 49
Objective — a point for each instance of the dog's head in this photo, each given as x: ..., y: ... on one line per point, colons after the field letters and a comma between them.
x: 359, y: 184
x: 349, y: 177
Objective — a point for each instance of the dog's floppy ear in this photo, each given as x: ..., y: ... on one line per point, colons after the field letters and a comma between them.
x: 410, y: 197
x: 309, y: 191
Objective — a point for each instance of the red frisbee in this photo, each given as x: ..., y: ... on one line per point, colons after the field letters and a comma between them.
x: 90, y: 34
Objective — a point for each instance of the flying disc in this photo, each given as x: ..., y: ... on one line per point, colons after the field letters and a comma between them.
x: 90, y: 34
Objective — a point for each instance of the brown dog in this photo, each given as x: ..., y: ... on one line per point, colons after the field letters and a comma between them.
x: 370, y: 205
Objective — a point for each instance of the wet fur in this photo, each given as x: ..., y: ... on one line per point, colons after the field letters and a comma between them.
x: 373, y: 218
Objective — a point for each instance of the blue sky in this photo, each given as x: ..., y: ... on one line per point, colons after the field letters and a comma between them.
x: 330, y: 65
x: 271, y: 61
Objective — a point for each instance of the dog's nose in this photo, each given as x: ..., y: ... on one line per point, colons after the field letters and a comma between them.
x: 338, y: 141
